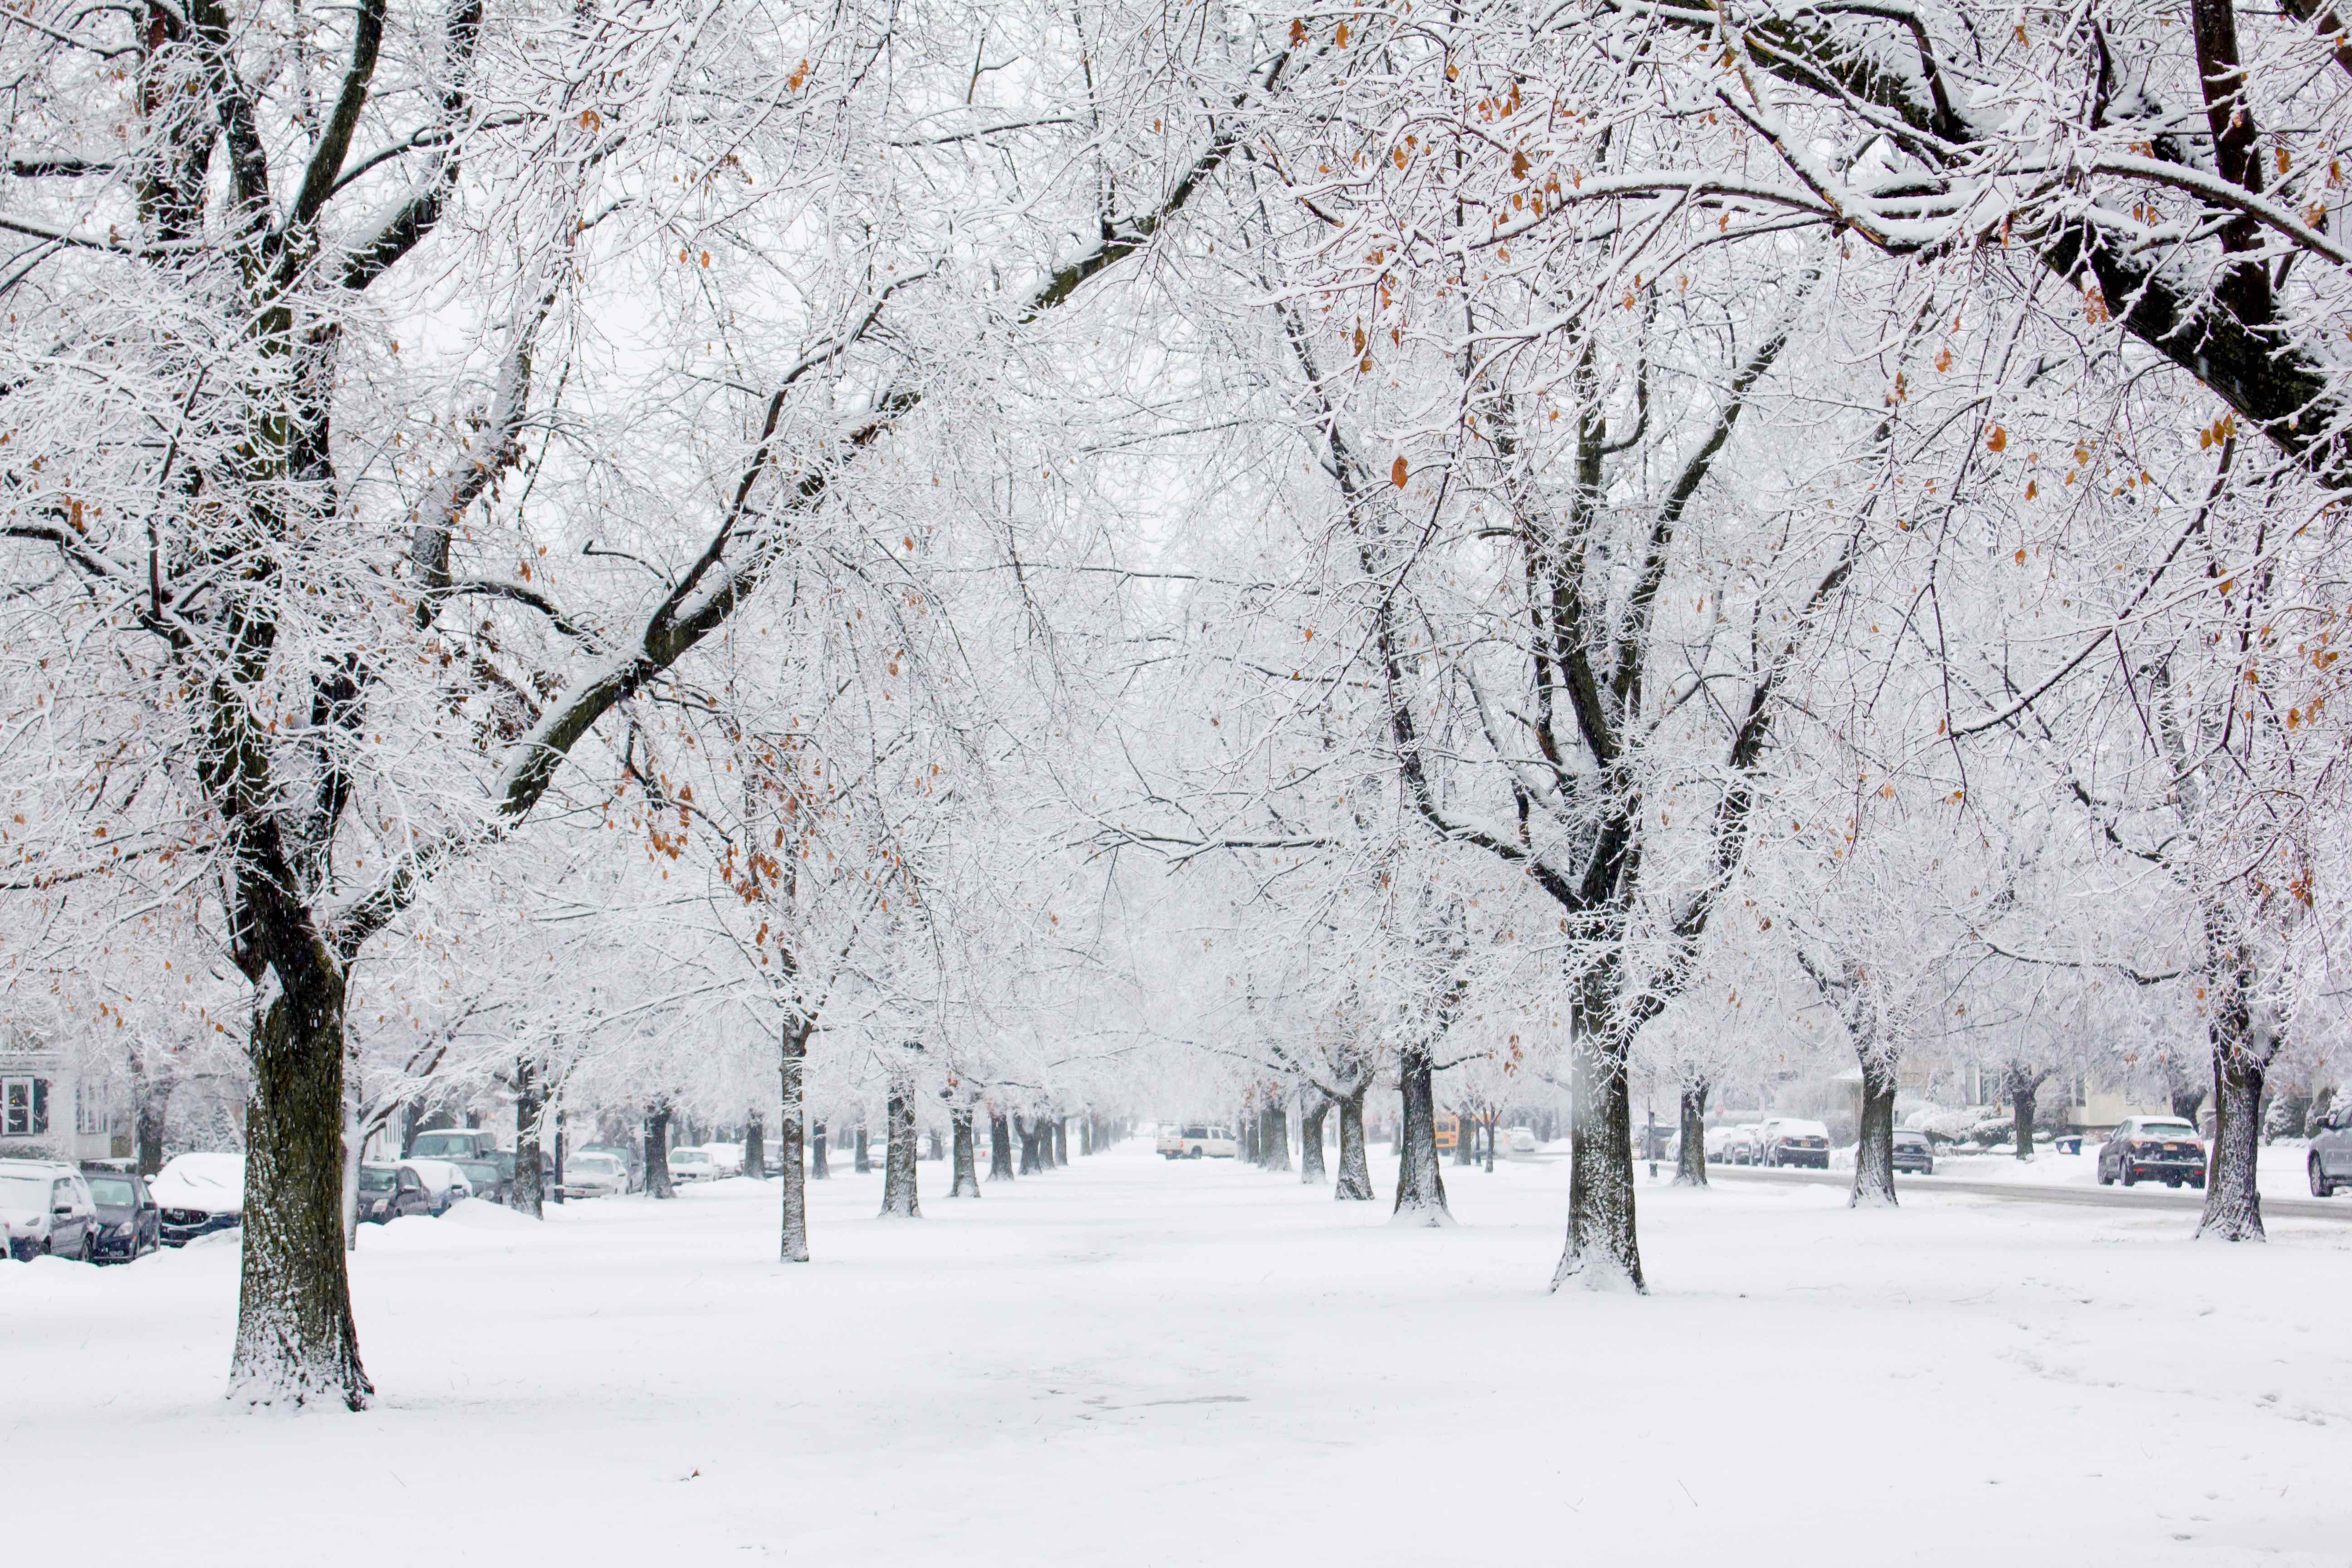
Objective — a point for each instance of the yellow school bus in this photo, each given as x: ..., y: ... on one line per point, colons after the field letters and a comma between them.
x: 1449, y: 1129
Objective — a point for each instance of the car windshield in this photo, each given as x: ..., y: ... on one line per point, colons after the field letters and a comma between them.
x: 596, y: 1165
x: 1916, y: 1140
x: 441, y: 1145
x: 116, y: 1191
x: 24, y: 1191
x: 376, y: 1178
x: 2167, y: 1130
x: 480, y: 1170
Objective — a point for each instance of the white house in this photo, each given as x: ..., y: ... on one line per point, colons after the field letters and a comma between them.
x: 47, y: 1112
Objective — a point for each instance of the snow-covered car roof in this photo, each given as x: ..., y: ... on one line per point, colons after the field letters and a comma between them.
x: 212, y: 1181
x: 438, y: 1176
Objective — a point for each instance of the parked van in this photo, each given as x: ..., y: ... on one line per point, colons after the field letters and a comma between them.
x: 1197, y: 1140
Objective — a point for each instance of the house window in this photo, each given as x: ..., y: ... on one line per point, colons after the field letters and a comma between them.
x: 24, y: 1107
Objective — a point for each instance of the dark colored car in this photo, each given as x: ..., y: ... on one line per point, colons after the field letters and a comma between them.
x: 2153, y: 1149
x: 491, y: 1179
x: 1792, y: 1141
x: 130, y: 1222
x: 2330, y: 1165
x: 1913, y: 1153
x: 387, y: 1192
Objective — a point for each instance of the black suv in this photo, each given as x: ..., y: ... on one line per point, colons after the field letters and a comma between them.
x: 1913, y: 1153
x: 128, y: 1222
x: 2153, y: 1149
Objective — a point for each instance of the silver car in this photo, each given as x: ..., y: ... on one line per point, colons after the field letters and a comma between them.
x: 2330, y: 1165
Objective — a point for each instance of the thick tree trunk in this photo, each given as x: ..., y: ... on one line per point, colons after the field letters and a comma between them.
x: 863, y: 1160
x: 2022, y: 1094
x: 1690, y: 1160
x: 1873, y: 1153
x: 295, y: 1345
x: 554, y: 1188
x: 1278, y: 1135
x: 1353, y: 1183
x: 1603, y: 1251
x: 1310, y: 1139
x: 529, y: 1192
x: 899, y: 1149
x: 1061, y: 1140
x: 1000, y: 1147
x: 2234, y: 1203
x: 657, y: 1183
x: 1028, y: 1131
x: 1086, y: 1134
x: 817, y: 1170
x: 965, y: 1183
x: 1465, y: 1140
x: 755, y: 1148
x: 795, y: 1052
x: 1421, y: 1184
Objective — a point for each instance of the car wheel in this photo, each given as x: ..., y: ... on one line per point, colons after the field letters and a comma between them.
x: 2197, y: 1183
x: 2105, y: 1179
x: 2124, y: 1171
x: 2173, y: 1182
x: 2321, y: 1187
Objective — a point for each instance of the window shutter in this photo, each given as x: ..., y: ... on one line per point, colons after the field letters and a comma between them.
x: 40, y: 1105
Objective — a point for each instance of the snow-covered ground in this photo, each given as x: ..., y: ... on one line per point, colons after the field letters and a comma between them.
x: 1132, y: 1361
x: 2280, y: 1172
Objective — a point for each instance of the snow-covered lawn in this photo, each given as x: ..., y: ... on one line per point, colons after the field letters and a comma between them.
x: 2279, y: 1171
x: 1132, y: 1361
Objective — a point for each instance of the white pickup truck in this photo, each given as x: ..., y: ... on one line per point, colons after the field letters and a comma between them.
x: 1194, y: 1140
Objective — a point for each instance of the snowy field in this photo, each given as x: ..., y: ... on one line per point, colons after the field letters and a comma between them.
x: 1132, y: 1361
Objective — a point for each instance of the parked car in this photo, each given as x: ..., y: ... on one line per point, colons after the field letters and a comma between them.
x: 130, y: 1221
x: 388, y: 1192
x: 47, y: 1210
x: 1912, y: 1153
x: 726, y: 1158
x: 2153, y: 1148
x: 199, y: 1193
x: 1793, y: 1140
x: 1519, y: 1140
x: 1739, y: 1145
x: 595, y: 1175
x: 453, y: 1143
x: 445, y: 1182
x: 2330, y: 1164
x: 1195, y: 1140
x: 489, y: 1179
x: 692, y: 1165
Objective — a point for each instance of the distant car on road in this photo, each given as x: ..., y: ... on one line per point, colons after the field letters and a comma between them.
x: 489, y: 1179
x: 199, y: 1193
x: 595, y: 1176
x: 1519, y: 1140
x: 130, y: 1222
x: 387, y: 1192
x: 47, y: 1209
x: 1792, y: 1141
x: 2153, y: 1148
x: 1912, y: 1153
x: 2330, y: 1163
x: 1196, y: 1140
x: 1739, y: 1143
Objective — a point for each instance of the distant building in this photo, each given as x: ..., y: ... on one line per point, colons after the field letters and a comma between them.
x: 50, y: 1112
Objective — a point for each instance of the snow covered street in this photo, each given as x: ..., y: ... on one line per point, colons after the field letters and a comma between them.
x: 1135, y: 1361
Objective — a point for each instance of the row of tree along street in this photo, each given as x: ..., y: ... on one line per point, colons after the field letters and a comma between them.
x: 979, y: 561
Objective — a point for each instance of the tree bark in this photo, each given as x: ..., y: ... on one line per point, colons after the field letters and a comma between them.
x: 1061, y: 1140
x: 965, y: 1182
x: 154, y: 1100
x: 1466, y: 1138
x: 755, y: 1148
x: 795, y: 1233
x: 2024, y: 1089
x: 1354, y: 1182
x: 2233, y: 1203
x: 530, y: 1193
x: 898, y: 1152
x: 1873, y: 1153
x: 1028, y: 1131
x: 863, y: 1160
x: 1000, y: 1147
x: 1603, y: 1251
x: 296, y: 1343
x: 1421, y: 1184
x: 1086, y: 1134
x: 658, y: 1184
x: 1311, y: 1138
x: 817, y: 1170
x: 1690, y: 1160
x: 1276, y: 1141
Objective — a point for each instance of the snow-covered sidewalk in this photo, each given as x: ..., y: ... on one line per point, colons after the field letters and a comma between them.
x: 1134, y: 1362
